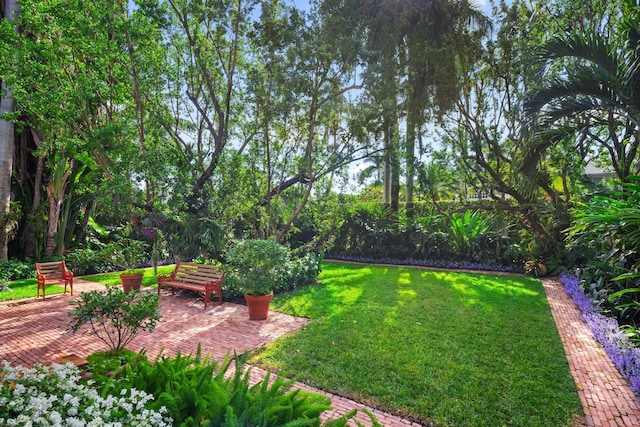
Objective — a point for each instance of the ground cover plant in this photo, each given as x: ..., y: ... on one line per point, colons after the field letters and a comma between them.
x: 454, y: 349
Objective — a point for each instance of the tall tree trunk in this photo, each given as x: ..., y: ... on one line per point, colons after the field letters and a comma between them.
x: 386, y: 195
x: 7, y: 144
x: 395, y: 165
x: 411, y: 160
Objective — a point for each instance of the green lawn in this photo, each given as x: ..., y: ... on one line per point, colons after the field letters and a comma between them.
x: 149, y: 278
x: 27, y: 288
x: 455, y: 349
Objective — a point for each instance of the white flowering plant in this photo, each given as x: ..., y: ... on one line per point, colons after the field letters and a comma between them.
x: 53, y: 396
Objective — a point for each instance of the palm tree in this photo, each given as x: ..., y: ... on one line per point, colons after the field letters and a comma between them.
x: 410, y: 51
x: 597, y: 95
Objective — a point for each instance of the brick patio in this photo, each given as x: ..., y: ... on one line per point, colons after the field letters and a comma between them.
x: 34, y: 331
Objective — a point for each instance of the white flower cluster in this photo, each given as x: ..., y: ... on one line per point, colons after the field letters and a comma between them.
x: 53, y: 396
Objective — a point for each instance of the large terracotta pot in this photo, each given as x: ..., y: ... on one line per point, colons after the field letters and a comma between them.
x: 258, y: 306
x: 131, y: 281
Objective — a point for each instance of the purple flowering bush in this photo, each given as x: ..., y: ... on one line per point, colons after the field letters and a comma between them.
x: 606, y: 330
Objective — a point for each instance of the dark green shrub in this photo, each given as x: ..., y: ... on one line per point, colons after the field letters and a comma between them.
x: 87, y: 261
x: 194, y: 236
x: 372, y: 230
x: 15, y: 269
x: 298, y: 272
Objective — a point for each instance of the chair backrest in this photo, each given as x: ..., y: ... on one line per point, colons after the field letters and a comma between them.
x: 51, y: 270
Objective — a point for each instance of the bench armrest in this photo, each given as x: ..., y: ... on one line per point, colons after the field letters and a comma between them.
x: 164, y: 277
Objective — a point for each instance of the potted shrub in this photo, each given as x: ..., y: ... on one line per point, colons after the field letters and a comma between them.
x: 536, y: 268
x: 127, y: 254
x: 255, y: 266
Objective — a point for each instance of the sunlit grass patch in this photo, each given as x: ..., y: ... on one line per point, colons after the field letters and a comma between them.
x: 457, y: 349
x: 27, y: 288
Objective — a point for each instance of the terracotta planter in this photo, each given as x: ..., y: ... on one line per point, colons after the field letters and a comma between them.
x: 258, y: 306
x: 131, y: 281
x: 542, y: 270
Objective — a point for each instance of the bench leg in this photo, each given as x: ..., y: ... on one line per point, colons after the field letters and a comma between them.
x: 207, y: 297
x: 218, y: 292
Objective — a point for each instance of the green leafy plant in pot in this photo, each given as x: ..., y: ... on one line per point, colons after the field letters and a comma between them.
x: 255, y: 266
x: 127, y: 254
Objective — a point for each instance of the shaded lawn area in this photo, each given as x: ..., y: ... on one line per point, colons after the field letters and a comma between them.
x: 27, y: 288
x: 455, y: 349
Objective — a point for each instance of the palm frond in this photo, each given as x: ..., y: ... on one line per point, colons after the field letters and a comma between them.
x: 590, y: 46
x: 534, y: 150
x: 582, y: 84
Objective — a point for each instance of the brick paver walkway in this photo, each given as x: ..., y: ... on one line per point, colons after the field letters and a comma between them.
x: 33, y: 331
x: 606, y: 396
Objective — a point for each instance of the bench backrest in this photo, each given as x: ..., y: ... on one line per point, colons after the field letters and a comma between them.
x: 190, y: 272
x: 51, y: 270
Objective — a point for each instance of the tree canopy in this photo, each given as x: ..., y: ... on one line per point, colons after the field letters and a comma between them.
x: 205, y: 120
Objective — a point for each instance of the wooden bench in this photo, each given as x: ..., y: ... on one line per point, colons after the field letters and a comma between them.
x: 50, y: 273
x: 194, y: 277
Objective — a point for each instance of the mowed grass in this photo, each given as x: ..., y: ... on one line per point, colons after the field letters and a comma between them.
x: 454, y: 349
x: 27, y: 288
